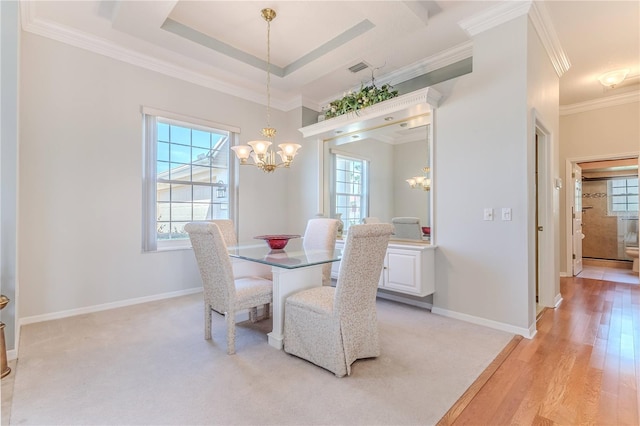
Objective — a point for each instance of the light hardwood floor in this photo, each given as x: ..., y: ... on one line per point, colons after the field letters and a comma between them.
x: 582, y: 367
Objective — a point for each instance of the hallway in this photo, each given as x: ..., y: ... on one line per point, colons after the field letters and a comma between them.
x: 582, y: 367
x: 605, y: 273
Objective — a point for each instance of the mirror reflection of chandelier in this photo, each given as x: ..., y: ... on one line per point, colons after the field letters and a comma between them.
x: 260, y: 151
x: 421, y: 182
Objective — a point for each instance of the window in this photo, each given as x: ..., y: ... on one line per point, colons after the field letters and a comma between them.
x: 187, y: 176
x: 350, y: 188
x: 623, y: 197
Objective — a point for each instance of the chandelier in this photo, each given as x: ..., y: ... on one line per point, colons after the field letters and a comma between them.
x: 421, y: 182
x: 260, y: 151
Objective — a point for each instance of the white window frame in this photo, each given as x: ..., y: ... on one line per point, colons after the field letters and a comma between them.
x: 364, y: 204
x: 610, y: 195
x: 150, y: 117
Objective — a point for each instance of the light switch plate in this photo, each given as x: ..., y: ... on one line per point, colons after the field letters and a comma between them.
x: 488, y: 213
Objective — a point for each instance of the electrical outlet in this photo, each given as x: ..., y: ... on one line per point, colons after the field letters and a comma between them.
x: 506, y: 213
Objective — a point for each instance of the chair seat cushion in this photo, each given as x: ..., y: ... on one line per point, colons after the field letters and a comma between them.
x: 253, y: 291
x: 317, y: 299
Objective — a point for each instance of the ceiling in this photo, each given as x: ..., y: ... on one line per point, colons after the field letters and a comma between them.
x: 222, y: 44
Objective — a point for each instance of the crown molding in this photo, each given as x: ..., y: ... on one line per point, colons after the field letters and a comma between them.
x: 610, y: 101
x: 547, y: 33
x: 494, y: 16
x: 537, y: 12
x: 103, y: 47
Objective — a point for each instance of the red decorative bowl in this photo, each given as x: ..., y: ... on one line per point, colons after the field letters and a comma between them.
x: 426, y: 230
x: 276, y: 242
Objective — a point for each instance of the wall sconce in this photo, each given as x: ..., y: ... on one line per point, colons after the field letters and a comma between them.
x: 613, y: 78
x: 421, y: 182
x: 221, y: 192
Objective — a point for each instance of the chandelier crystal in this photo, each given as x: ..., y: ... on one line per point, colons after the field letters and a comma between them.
x: 260, y: 151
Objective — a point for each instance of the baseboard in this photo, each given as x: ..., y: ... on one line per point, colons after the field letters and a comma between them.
x: 528, y: 333
x: 12, y: 354
x: 557, y: 300
x: 405, y: 300
x: 105, y: 306
x: 565, y: 275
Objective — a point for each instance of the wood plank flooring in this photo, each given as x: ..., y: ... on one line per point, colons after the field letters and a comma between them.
x: 581, y: 368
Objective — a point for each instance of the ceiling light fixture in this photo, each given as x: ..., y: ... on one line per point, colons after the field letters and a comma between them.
x: 263, y: 157
x: 613, y: 78
x: 421, y: 182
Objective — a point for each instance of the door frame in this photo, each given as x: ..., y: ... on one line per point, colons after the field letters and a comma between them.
x: 570, y: 196
x: 545, y: 250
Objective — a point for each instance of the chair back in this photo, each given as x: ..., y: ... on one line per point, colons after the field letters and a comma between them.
x: 214, y: 264
x: 371, y: 219
x: 407, y: 227
x: 321, y: 234
x: 228, y: 231
x: 360, y: 268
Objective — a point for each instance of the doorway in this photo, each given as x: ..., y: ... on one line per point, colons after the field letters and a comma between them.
x: 605, y: 202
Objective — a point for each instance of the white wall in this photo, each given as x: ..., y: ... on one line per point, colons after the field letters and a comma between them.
x: 481, y: 148
x: 80, y: 178
x: 596, y: 133
x: 543, y: 99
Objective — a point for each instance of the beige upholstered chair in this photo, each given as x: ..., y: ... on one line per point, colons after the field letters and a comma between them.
x: 321, y: 234
x: 241, y: 268
x: 222, y: 292
x: 407, y: 227
x: 333, y: 327
x: 228, y: 231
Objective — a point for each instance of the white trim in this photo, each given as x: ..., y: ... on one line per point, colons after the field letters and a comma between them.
x: 492, y: 17
x: 106, y: 306
x: 405, y: 300
x: 526, y: 332
x: 565, y: 274
x: 188, y: 119
x: 609, y: 101
x: 540, y: 20
x: 12, y: 354
x: 544, y: 27
x: 557, y: 300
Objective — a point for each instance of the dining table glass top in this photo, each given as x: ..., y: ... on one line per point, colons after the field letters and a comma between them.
x: 293, y: 256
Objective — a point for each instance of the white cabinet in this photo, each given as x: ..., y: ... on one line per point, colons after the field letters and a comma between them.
x: 409, y: 268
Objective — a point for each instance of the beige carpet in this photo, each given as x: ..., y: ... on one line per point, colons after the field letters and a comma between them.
x: 149, y: 364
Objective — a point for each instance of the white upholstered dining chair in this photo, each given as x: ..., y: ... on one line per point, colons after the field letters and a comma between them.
x: 222, y: 292
x: 241, y: 268
x: 321, y: 234
x: 407, y: 227
x: 333, y: 327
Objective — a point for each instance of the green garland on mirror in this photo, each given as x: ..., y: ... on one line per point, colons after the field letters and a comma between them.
x: 354, y: 101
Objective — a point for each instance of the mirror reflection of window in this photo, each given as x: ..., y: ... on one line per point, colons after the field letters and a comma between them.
x: 350, y: 189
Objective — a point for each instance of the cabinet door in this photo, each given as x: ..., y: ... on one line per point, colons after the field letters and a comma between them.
x: 403, y: 271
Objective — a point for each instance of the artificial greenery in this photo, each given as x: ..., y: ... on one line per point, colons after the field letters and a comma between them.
x: 354, y: 101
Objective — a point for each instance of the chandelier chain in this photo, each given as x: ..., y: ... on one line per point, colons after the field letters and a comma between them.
x: 268, y: 73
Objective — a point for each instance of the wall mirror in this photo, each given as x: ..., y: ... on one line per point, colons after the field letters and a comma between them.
x: 366, y: 160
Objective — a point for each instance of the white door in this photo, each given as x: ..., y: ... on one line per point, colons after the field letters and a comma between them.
x: 577, y: 219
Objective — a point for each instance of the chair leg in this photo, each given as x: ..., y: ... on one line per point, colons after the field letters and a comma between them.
x: 267, y: 310
x: 253, y: 314
x: 207, y: 321
x: 230, y: 319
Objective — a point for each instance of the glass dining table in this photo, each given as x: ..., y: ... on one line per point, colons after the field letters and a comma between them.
x: 293, y: 268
